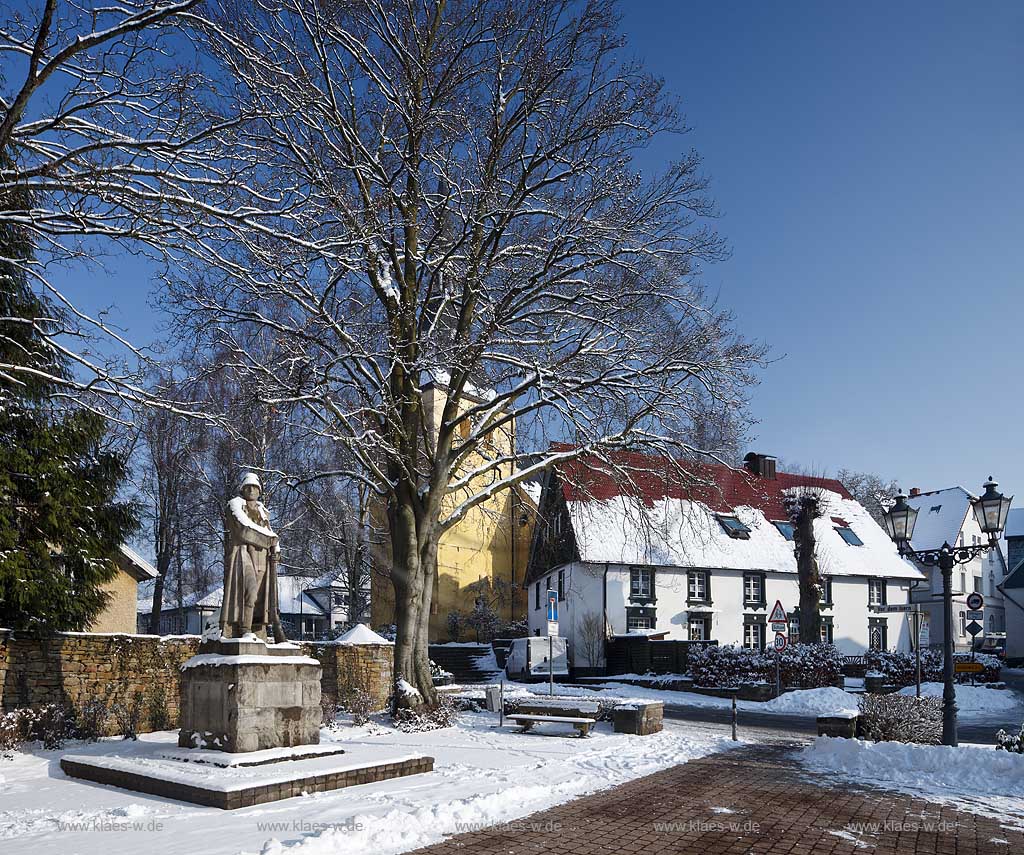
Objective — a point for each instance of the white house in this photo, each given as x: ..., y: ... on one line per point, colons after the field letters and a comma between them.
x: 1012, y: 587
x: 946, y: 516
x: 708, y: 562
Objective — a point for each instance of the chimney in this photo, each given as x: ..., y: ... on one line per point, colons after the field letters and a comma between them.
x: 762, y: 465
x: 915, y: 491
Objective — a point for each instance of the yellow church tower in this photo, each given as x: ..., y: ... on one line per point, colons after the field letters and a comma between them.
x: 483, y: 555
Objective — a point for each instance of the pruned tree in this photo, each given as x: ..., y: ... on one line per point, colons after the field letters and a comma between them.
x: 592, y: 634
x: 805, y: 505
x: 443, y: 243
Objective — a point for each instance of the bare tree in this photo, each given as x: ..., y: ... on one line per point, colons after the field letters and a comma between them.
x: 872, y: 491
x: 592, y: 634
x: 442, y: 238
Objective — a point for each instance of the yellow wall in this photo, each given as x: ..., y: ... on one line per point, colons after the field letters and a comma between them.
x: 119, y: 615
x: 478, y: 548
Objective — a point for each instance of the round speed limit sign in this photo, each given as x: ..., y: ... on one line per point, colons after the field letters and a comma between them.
x: 975, y: 601
x: 780, y: 642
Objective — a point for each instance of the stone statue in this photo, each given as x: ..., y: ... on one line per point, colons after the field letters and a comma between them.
x: 250, y: 567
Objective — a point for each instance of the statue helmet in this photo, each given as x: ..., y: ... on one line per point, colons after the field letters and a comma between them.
x: 250, y: 479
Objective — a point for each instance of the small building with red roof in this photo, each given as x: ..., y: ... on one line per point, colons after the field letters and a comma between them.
x: 701, y: 551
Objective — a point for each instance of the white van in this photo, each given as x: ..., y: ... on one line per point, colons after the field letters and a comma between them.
x: 528, y: 658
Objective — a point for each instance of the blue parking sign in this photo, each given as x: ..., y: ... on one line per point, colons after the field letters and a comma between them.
x: 552, y: 605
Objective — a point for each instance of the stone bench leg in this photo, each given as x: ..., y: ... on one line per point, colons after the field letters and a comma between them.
x: 583, y: 728
x: 526, y: 726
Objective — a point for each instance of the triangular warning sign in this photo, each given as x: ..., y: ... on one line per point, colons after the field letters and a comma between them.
x: 778, y: 614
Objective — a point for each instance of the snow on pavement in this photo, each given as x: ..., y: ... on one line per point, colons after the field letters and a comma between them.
x: 972, y: 699
x: 482, y: 776
x: 975, y: 778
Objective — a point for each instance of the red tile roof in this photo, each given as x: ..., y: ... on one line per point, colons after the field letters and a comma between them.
x: 652, y: 478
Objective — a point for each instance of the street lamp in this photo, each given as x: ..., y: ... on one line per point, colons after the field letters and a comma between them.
x: 990, y: 511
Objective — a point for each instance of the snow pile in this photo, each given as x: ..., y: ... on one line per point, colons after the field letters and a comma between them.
x: 966, y: 770
x: 972, y: 699
x: 812, y: 702
x: 361, y: 634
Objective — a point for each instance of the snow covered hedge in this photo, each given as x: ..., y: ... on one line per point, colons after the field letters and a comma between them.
x: 803, y: 666
x: 900, y: 668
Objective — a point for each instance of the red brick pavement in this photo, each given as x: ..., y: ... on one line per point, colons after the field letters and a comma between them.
x: 754, y: 799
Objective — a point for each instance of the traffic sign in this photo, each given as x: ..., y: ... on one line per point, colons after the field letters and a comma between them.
x: 968, y: 667
x: 553, y: 628
x: 978, y: 615
x: 974, y: 628
x: 779, y: 626
x: 902, y: 607
x: 975, y: 601
x: 552, y: 605
x: 780, y: 642
x: 778, y: 614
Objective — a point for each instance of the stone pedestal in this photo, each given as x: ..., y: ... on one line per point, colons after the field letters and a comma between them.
x: 838, y: 724
x: 639, y: 718
x: 248, y: 696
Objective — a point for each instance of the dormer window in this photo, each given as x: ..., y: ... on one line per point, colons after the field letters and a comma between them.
x: 934, y: 509
x: 786, y: 529
x: 848, y: 534
x: 734, y: 528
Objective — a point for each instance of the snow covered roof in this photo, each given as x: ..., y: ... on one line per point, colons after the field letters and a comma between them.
x: 138, y: 566
x: 1015, y: 523
x: 672, y: 524
x: 941, y: 515
x: 361, y: 634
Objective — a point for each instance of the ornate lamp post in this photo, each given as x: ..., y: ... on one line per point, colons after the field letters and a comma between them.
x: 990, y: 511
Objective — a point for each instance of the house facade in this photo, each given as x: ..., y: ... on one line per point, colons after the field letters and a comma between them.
x: 1012, y: 587
x: 946, y: 516
x: 706, y: 561
x: 118, y: 614
x: 309, y: 607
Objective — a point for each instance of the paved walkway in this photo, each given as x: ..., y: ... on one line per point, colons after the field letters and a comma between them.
x: 751, y: 799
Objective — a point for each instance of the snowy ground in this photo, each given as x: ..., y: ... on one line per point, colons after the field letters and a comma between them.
x: 482, y: 776
x: 975, y: 778
x: 975, y: 703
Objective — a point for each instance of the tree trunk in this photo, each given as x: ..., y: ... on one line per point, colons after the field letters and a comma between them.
x: 807, y: 570
x: 414, y: 563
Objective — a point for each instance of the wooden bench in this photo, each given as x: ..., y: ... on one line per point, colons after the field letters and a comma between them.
x: 526, y: 722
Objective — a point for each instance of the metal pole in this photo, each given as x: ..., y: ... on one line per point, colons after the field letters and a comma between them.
x: 946, y: 563
x: 501, y: 704
x: 778, y: 674
x: 917, y: 646
x: 733, y: 716
x: 551, y: 664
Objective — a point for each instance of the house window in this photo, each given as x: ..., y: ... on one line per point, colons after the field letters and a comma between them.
x: 786, y: 529
x: 536, y: 596
x: 734, y: 528
x: 639, y: 622
x: 640, y: 582
x: 847, y: 534
x: 876, y: 592
x: 825, y: 585
x: 558, y: 525
x: 700, y: 628
x: 753, y: 589
x: 753, y: 635
x: 963, y: 624
x: 963, y: 583
x: 794, y: 627
x: 561, y: 585
x: 827, y: 636
x: 697, y: 586
x: 878, y: 634
x: 977, y: 584
x: 991, y: 623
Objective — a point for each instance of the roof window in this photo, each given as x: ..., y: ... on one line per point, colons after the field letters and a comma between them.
x: 734, y: 528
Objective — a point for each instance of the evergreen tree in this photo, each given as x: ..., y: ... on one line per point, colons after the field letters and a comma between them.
x: 61, y: 525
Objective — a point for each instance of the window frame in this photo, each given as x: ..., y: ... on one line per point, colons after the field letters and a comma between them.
x: 880, y: 625
x: 561, y: 586
x: 691, y: 577
x: 642, y: 572
x: 761, y: 579
x: 884, y: 598
x: 844, y: 530
x: 825, y: 599
x: 645, y: 618
x: 758, y: 628
x: 741, y: 531
x: 791, y: 537
x: 536, y: 595
x: 704, y: 622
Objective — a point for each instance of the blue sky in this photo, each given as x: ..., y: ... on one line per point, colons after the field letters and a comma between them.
x: 866, y: 159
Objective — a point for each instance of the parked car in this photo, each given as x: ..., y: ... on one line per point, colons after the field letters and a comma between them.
x: 994, y: 644
x: 528, y: 658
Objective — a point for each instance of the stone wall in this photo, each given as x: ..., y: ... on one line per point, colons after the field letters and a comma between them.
x: 72, y: 668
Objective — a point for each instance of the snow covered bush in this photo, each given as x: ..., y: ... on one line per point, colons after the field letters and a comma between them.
x: 719, y: 666
x: 445, y: 714
x: 359, y: 704
x: 454, y: 625
x: 1013, y: 742
x: 900, y: 669
x: 91, y: 719
x: 810, y: 666
x: 127, y: 713
x: 49, y: 725
x: 804, y: 666
x: 514, y: 629
x: 440, y: 675
x: 901, y: 718
x: 483, y: 620
x: 387, y: 630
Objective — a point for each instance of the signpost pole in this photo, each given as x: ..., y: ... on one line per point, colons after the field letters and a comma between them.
x: 551, y: 665
x: 917, y: 646
x: 501, y: 704
x: 734, y: 716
